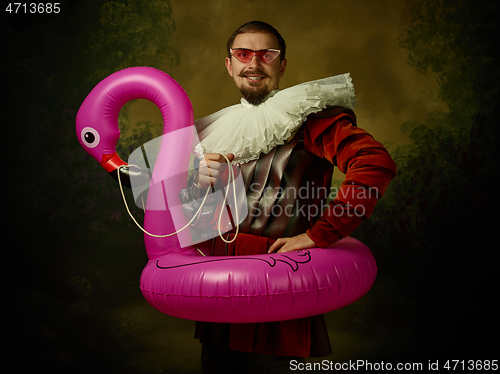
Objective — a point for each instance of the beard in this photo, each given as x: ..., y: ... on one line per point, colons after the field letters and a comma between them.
x: 254, y: 93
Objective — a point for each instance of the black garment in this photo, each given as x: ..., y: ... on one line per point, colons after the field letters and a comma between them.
x: 219, y: 359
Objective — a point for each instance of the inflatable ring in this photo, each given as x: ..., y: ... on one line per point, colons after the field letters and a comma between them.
x: 184, y: 283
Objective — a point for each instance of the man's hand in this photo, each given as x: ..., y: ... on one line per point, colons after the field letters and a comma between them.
x: 211, y: 168
x: 302, y: 241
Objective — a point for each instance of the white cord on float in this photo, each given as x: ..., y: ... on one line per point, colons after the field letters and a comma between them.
x: 230, y: 180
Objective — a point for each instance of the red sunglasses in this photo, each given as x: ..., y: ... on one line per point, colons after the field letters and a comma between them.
x: 245, y: 55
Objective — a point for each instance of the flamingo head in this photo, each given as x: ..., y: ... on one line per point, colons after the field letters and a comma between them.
x: 97, y: 128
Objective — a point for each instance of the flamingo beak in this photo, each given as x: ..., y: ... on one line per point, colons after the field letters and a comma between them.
x: 112, y: 162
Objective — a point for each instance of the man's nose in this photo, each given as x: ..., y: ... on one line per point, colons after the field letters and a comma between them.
x: 254, y: 61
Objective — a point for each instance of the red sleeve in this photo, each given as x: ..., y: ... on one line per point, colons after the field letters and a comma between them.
x: 368, y: 168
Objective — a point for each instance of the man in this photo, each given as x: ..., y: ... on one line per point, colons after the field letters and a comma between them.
x: 285, y: 141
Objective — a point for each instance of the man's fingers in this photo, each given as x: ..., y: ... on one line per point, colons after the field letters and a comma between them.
x: 211, y: 168
x: 293, y: 243
x: 210, y: 172
x: 217, y: 158
x: 205, y: 181
x: 276, y: 245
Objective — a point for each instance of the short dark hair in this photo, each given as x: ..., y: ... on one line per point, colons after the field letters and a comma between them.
x: 255, y: 27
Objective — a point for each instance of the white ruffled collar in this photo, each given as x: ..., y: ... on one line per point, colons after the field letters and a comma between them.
x: 247, y: 130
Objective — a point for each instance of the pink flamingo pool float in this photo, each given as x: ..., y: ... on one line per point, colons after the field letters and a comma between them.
x: 182, y: 281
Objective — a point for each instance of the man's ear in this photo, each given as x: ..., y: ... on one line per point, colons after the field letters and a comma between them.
x: 282, y: 67
x: 228, y: 66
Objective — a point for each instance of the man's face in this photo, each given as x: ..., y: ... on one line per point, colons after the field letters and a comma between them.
x: 256, y: 79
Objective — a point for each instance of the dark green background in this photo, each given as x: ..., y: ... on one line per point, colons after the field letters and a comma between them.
x: 73, y: 258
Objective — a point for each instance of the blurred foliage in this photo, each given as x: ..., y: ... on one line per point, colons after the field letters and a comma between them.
x: 79, y: 251
x: 433, y: 230
x: 446, y: 165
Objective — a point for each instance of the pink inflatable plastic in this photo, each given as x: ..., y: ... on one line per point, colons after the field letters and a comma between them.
x: 181, y: 281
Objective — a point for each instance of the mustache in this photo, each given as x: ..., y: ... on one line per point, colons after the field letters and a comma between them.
x: 248, y: 72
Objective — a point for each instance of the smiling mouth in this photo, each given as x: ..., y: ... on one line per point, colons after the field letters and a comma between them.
x: 254, y: 81
x: 252, y: 77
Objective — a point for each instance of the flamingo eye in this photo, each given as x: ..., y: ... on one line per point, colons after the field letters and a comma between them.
x: 90, y: 137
